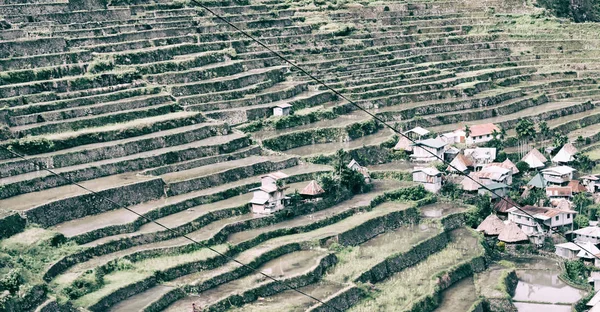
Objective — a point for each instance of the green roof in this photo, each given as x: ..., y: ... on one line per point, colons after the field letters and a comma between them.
x: 538, y: 181
x: 495, y: 186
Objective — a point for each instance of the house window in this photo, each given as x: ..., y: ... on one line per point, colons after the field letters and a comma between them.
x: 568, y: 216
x: 556, y: 218
x: 518, y: 217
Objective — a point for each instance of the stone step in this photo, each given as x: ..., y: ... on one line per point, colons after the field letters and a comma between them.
x: 117, y: 141
x: 83, y: 101
x: 281, y: 91
x: 41, y: 179
x: 213, y: 175
x: 236, y: 81
x: 44, y: 60
x: 64, y: 203
x: 94, y: 121
x: 121, y: 105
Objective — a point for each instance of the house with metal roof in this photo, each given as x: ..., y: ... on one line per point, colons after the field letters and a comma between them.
x: 494, y: 190
x: 479, y: 133
x: 270, y: 196
x: 460, y: 163
x: 588, y: 234
x: 481, y: 156
x: 428, y: 150
x: 565, y: 155
x: 429, y: 177
x: 560, y: 175
x: 312, y: 191
x: 591, y: 182
x: 535, y: 159
x: 541, y: 220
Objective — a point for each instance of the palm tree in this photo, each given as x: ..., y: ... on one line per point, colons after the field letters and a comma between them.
x: 467, y: 132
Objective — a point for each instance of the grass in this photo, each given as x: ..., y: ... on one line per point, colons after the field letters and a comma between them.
x: 32, y: 252
x: 112, y: 282
x: 353, y: 261
x: 405, y: 288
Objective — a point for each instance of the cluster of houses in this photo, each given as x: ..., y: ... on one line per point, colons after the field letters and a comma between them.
x: 270, y: 196
x: 523, y: 224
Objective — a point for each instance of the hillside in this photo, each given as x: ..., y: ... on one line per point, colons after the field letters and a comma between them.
x: 164, y: 109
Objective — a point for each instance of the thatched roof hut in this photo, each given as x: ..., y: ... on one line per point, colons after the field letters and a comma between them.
x: 492, y: 225
x: 312, y: 189
x: 512, y: 234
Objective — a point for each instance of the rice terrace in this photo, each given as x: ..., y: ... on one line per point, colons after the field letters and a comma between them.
x: 300, y: 155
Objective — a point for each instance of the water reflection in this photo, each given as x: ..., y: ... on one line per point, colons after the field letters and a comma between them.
x: 538, y: 281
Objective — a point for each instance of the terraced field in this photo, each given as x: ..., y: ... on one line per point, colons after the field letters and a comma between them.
x: 160, y: 107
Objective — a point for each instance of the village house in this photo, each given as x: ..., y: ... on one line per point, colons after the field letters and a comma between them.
x: 565, y: 155
x: 535, y: 159
x: 591, y: 183
x: 312, y: 192
x: 560, y: 175
x: 471, y: 183
x: 502, y: 206
x: 270, y: 196
x: 491, y: 226
x: 544, y: 219
x: 493, y: 174
x: 354, y: 165
x: 537, y: 182
x: 512, y: 234
x: 481, y: 156
x: 506, y: 164
x: 558, y: 192
x: 405, y: 143
x: 479, y: 133
x: 460, y: 163
x: 429, y: 150
x: 283, y: 109
x: 588, y: 234
x: 581, y: 250
x: 494, y: 190
x: 430, y: 178
x: 567, y: 250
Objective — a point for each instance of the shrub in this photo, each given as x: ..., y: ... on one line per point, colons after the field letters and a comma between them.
x: 522, y: 166
x: 501, y: 246
x: 581, y: 221
x: 11, y: 281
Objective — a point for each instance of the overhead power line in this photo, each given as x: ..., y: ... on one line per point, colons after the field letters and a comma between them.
x: 317, y: 80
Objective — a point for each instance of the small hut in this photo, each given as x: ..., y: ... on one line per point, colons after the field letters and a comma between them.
x: 312, y: 192
x: 512, y: 234
x: 492, y: 225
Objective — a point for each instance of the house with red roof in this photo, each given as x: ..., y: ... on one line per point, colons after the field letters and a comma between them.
x: 479, y: 133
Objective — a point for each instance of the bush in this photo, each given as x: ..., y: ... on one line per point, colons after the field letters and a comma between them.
x: 11, y: 281
x: 501, y: 246
x: 581, y: 221
x: 522, y: 166
x: 576, y: 272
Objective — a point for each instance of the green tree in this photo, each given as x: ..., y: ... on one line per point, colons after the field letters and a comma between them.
x: 522, y: 166
x: 483, y: 208
x: 581, y: 221
x: 525, y: 129
x: 544, y: 129
x: 559, y: 140
x: 583, y: 163
x: 581, y: 202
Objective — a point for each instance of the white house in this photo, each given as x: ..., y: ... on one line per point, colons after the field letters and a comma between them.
x: 560, y: 175
x: 270, y: 196
x: 429, y: 150
x: 588, y: 234
x: 283, y: 109
x: 460, y: 163
x: 416, y: 132
x: 540, y: 220
x: 591, y: 182
x: 481, y: 156
x: 565, y: 155
x: 507, y: 164
x: 431, y: 178
x: 567, y: 250
x: 581, y: 250
x: 480, y: 133
x: 354, y: 165
x: 535, y: 159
